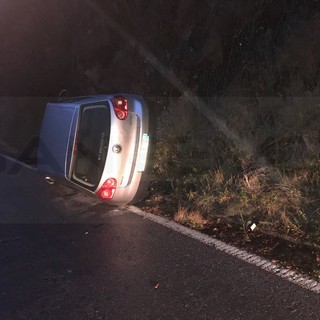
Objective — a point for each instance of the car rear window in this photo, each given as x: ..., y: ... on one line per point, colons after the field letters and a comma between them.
x: 91, y: 145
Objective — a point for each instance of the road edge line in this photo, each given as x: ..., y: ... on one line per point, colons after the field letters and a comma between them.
x: 275, y: 268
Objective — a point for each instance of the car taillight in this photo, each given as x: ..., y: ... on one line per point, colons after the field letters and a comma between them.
x: 107, y: 190
x: 120, y: 106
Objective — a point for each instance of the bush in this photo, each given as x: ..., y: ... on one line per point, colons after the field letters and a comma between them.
x: 212, y: 176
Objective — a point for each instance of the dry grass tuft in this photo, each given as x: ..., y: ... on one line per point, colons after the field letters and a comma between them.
x: 191, y: 218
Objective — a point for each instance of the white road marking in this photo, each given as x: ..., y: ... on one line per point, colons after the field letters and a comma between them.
x: 275, y: 268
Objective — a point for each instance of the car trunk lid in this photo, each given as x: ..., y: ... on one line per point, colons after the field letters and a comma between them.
x: 122, y: 151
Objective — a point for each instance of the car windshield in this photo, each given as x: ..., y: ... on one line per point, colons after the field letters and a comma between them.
x: 91, y: 145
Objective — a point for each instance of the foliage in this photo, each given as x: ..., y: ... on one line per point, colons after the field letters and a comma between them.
x: 277, y: 184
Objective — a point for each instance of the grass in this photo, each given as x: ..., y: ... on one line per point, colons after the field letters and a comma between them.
x: 194, y: 219
x: 202, y: 180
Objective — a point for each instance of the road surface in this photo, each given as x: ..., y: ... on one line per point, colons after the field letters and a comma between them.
x: 64, y: 255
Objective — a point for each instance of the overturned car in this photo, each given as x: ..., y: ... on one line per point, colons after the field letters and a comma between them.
x: 97, y: 143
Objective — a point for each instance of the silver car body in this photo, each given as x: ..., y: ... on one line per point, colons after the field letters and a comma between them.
x: 83, y: 137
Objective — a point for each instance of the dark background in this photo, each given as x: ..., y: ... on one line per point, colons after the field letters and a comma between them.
x: 235, y: 48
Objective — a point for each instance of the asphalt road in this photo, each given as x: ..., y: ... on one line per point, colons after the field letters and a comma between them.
x: 64, y: 255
